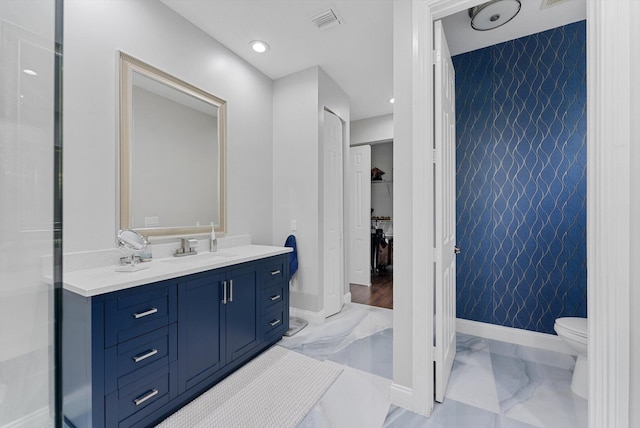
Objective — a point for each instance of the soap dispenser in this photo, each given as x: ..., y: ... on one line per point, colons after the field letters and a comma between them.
x: 213, y: 246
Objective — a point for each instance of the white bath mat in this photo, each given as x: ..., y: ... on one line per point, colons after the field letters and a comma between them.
x: 277, y: 389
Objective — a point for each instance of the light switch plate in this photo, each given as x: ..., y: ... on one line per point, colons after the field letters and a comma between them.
x: 151, y: 221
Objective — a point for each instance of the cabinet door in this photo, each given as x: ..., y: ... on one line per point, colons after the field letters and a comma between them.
x: 242, y: 320
x: 200, y: 329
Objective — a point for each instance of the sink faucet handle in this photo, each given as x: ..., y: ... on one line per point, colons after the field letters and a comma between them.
x: 188, y: 244
x: 187, y: 248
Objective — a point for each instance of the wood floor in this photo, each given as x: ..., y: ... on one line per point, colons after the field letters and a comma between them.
x: 380, y: 293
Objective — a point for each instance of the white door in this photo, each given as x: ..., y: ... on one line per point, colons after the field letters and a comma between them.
x: 445, y: 212
x: 360, y: 216
x: 332, y: 212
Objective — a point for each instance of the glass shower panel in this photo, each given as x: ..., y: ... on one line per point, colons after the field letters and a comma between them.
x: 27, y: 77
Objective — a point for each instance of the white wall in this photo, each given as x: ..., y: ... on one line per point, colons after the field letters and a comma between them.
x: 146, y: 29
x: 634, y: 399
x: 295, y: 179
x: 403, y: 185
x: 298, y: 114
x: 371, y: 130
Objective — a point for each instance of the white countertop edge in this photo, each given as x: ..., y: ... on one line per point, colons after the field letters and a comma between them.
x: 102, y: 280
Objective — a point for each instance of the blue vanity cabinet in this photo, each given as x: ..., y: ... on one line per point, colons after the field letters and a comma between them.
x: 274, y: 320
x: 218, y: 318
x: 133, y: 357
x: 242, y: 312
x: 140, y: 355
x: 119, y: 355
x: 201, y: 328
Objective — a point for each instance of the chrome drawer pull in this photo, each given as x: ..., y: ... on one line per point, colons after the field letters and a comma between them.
x: 231, y: 290
x: 275, y: 272
x: 224, y: 292
x: 274, y: 323
x: 145, y: 313
x: 150, y: 353
x: 273, y: 298
x: 150, y: 394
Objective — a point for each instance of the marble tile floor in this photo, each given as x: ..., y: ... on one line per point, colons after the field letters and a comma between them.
x: 493, y: 384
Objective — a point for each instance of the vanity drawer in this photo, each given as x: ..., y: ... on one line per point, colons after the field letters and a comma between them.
x: 140, y: 399
x: 273, y: 271
x: 136, y: 358
x: 273, y: 295
x: 132, y: 313
x: 274, y: 320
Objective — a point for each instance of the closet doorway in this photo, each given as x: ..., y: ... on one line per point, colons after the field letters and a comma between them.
x: 380, y: 291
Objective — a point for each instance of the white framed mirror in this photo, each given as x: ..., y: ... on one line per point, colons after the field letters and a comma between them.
x: 172, y: 153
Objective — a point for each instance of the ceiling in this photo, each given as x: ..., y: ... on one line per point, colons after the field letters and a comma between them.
x: 531, y: 19
x: 358, y: 53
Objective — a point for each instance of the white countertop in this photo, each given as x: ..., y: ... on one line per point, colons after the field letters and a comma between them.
x: 93, y: 282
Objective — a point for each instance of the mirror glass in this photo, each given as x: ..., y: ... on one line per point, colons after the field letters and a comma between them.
x: 172, y: 146
x: 132, y: 240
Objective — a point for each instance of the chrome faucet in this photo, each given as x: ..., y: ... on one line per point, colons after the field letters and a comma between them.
x: 188, y: 248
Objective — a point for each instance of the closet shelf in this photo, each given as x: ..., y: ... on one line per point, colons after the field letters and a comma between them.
x: 381, y: 181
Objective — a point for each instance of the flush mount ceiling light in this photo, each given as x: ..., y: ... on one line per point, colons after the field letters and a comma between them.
x: 392, y: 100
x: 259, y: 46
x: 493, y: 14
x: 29, y: 72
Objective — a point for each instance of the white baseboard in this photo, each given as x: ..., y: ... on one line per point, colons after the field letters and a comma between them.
x: 312, y: 317
x: 361, y: 285
x: 517, y: 336
x: 402, y: 396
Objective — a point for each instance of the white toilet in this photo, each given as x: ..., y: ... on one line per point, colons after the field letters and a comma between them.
x: 574, y: 331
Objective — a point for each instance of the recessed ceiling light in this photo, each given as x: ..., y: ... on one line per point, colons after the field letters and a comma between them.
x: 392, y: 100
x: 259, y: 46
x: 29, y: 72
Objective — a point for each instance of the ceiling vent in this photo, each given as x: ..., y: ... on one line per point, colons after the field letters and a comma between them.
x: 326, y: 19
x: 548, y: 3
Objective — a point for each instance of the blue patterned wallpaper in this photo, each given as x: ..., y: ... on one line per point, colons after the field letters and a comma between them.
x: 521, y: 180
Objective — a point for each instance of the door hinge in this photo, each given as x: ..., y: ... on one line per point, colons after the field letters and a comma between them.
x: 435, y: 56
x: 434, y: 155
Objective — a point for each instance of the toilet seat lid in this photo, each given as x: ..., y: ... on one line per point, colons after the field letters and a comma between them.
x: 577, y: 326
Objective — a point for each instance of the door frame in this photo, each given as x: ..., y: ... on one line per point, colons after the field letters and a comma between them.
x: 609, y: 128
